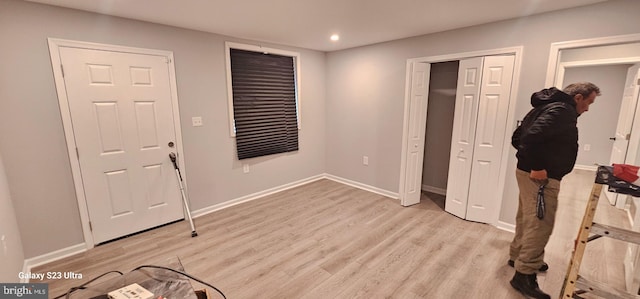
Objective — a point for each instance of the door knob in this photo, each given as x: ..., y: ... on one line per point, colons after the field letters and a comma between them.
x: 170, y: 144
x: 612, y: 138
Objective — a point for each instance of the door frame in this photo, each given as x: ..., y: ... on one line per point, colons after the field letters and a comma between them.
x: 517, y: 52
x: 563, y: 66
x: 54, y: 50
x: 554, y: 66
x: 557, y: 69
x: 633, y: 141
x: 555, y: 74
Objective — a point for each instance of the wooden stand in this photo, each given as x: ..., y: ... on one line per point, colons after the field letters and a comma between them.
x: 575, y: 285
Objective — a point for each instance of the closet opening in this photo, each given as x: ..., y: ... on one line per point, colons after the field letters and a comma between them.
x: 458, y: 109
x: 438, y: 132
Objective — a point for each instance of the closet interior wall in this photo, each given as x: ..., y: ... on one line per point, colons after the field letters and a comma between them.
x: 440, y: 114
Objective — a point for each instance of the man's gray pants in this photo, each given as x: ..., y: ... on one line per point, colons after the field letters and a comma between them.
x: 532, y: 234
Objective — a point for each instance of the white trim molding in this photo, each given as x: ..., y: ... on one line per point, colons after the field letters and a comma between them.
x: 362, y: 186
x: 46, y: 258
x: 254, y: 196
x: 506, y: 226
x: 553, y: 67
x: 586, y: 167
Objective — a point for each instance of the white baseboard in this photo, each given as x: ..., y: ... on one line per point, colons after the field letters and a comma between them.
x: 586, y: 167
x: 506, y: 226
x: 33, y: 262
x: 362, y: 186
x: 254, y: 196
x: 435, y: 190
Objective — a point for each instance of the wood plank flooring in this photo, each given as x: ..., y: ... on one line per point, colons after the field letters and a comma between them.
x: 329, y: 240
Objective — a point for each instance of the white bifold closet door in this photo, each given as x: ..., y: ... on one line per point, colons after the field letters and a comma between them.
x: 420, y: 74
x: 479, y: 128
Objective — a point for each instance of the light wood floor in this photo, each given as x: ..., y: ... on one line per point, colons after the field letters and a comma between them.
x: 329, y: 240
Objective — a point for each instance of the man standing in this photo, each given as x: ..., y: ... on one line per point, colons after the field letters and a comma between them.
x: 547, y: 144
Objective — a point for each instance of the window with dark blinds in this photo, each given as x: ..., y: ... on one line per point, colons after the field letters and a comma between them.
x: 264, y: 103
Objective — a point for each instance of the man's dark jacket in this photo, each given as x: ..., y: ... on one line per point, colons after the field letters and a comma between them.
x: 548, y: 136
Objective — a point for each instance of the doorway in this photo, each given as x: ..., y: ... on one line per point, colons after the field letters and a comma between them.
x: 613, y: 50
x: 567, y: 57
x: 597, y: 127
x: 416, y: 102
x: 121, y: 121
x: 440, y: 113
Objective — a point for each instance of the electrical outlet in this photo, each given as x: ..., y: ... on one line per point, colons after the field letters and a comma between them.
x: 365, y: 160
x: 587, y: 147
x: 245, y: 168
x: 196, y: 121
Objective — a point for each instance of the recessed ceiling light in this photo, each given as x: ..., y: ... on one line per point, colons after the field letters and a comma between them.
x: 335, y: 37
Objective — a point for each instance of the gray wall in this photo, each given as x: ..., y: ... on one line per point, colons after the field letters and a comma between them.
x: 599, y: 123
x: 366, y: 85
x: 11, y: 253
x: 32, y: 138
x: 440, y: 111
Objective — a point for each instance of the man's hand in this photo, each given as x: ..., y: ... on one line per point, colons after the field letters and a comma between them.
x: 539, y: 176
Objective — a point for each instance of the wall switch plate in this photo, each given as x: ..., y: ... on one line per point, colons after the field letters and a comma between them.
x: 196, y: 121
x: 245, y: 168
x: 587, y: 147
x: 365, y: 160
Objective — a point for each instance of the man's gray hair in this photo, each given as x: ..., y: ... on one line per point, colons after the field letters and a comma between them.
x: 583, y: 88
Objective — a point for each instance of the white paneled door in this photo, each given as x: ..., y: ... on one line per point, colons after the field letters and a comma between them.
x: 625, y: 124
x: 121, y: 111
x: 416, y: 134
x: 464, y: 132
x: 479, y: 128
x: 491, y: 127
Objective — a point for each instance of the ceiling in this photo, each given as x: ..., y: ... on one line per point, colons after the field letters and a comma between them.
x: 310, y: 23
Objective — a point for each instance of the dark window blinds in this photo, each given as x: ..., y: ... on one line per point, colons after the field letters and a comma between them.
x: 264, y: 103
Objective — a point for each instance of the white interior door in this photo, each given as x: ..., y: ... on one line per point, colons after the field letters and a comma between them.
x: 121, y: 110
x: 623, y: 129
x: 416, y: 134
x: 490, y: 131
x: 463, y: 138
